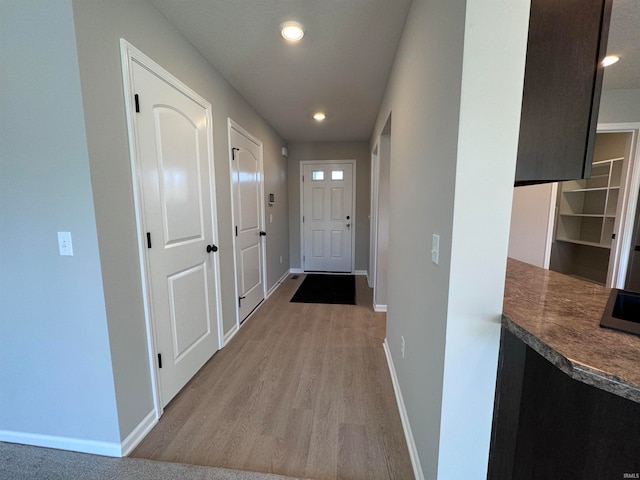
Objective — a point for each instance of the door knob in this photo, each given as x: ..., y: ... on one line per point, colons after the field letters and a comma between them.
x: 263, y: 234
x: 348, y: 224
x: 211, y: 248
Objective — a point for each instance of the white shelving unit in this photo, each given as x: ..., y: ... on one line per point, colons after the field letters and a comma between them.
x: 588, y: 213
x: 587, y: 209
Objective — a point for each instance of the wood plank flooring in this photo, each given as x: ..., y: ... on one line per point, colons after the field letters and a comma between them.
x: 302, y: 390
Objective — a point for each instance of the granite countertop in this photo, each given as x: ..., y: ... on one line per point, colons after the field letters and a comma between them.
x: 559, y: 317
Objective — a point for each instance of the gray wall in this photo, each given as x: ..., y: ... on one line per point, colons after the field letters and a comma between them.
x: 455, y: 93
x: 55, y: 363
x: 358, y: 151
x: 73, y: 351
x: 99, y: 26
x: 619, y: 106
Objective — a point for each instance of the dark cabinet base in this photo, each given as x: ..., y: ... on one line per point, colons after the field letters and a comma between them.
x: 549, y: 426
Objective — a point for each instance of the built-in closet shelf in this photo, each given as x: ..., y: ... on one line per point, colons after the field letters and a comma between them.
x: 587, y: 211
x: 581, y: 242
x: 582, y: 190
x: 608, y: 160
x: 587, y: 207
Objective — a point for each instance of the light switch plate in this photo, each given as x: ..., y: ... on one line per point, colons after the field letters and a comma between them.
x: 64, y: 244
x: 435, y: 249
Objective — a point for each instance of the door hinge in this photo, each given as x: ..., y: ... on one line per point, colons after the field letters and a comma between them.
x: 303, y: 219
x: 240, y: 301
x: 137, y: 100
x: 159, y: 360
x: 148, y: 239
x: 302, y: 178
x: 233, y: 153
x: 236, y: 230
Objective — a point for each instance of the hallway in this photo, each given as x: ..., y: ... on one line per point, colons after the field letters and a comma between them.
x: 302, y: 390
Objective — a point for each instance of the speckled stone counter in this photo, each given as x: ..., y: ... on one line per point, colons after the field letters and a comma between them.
x: 558, y: 316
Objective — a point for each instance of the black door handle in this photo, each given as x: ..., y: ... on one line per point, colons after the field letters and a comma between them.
x: 211, y: 248
x: 263, y: 234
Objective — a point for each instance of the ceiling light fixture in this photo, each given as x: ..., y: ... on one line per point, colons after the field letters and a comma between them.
x: 610, y: 60
x: 319, y: 116
x: 292, y: 31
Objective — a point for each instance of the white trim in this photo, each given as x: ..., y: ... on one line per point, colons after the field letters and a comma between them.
x: 278, y: 283
x: 379, y: 308
x: 230, y: 334
x: 373, y: 216
x: 138, y: 433
x: 108, y: 449
x: 550, y: 226
x: 231, y: 124
x: 296, y: 270
x: 411, y: 444
x: 353, y: 207
x: 128, y: 55
x: 361, y: 272
x: 628, y: 201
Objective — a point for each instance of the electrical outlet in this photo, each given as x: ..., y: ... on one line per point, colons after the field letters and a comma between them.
x: 402, y: 346
x: 64, y: 244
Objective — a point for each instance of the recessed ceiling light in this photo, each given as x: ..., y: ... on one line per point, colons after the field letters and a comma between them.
x: 319, y: 116
x: 292, y: 31
x: 610, y: 60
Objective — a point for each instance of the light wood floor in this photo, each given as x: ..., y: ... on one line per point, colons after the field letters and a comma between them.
x: 302, y: 390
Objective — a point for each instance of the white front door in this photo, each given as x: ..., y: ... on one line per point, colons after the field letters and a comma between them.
x: 248, y: 208
x: 328, y: 217
x: 174, y: 158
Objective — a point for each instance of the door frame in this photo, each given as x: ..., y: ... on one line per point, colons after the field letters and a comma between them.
x: 233, y: 125
x: 373, y: 218
x: 128, y: 55
x: 353, y: 207
x: 630, y: 189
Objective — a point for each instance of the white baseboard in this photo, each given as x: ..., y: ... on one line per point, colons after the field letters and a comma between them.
x: 411, y: 444
x: 108, y: 449
x: 361, y: 272
x: 230, y: 334
x: 296, y: 270
x: 379, y: 308
x: 138, y: 433
x: 278, y: 283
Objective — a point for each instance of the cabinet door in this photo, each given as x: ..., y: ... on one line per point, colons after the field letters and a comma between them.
x: 562, y: 84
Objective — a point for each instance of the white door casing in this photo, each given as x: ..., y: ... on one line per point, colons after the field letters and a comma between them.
x: 171, y: 141
x: 328, y: 215
x: 248, y: 219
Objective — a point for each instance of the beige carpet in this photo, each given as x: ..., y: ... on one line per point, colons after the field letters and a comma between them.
x: 21, y: 462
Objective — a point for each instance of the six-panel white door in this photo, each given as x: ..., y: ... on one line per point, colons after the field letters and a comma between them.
x: 327, y: 217
x: 173, y: 139
x: 248, y: 206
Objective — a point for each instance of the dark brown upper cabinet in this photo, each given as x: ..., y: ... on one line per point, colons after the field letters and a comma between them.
x: 562, y: 84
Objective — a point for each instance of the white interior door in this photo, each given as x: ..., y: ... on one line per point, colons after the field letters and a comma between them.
x: 248, y: 208
x: 328, y: 217
x: 173, y: 136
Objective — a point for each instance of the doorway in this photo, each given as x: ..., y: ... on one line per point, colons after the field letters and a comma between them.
x: 248, y: 219
x: 328, y: 215
x: 594, y: 219
x: 379, y: 258
x: 171, y: 143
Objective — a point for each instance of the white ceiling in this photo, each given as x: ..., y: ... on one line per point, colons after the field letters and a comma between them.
x: 342, y: 64
x: 624, y: 40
